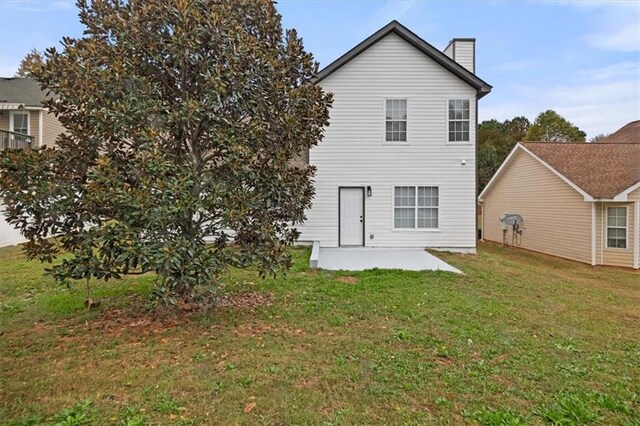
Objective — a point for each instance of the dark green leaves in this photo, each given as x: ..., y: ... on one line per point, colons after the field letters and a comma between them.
x: 182, y: 118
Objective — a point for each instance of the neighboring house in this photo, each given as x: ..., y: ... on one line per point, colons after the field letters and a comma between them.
x: 23, y: 123
x: 21, y: 113
x: 397, y: 165
x: 579, y: 201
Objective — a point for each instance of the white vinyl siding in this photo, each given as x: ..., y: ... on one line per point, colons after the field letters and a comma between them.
x: 464, y: 53
x: 351, y: 153
x: 617, y: 227
x: 449, y: 50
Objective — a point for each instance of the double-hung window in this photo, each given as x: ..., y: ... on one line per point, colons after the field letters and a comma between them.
x: 458, y: 117
x: 617, y: 227
x: 395, y: 120
x: 415, y: 207
x: 20, y: 122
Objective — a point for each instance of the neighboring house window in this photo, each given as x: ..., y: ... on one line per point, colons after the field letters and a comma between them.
x: 617, y: 227
x: 396, y: 120
x: 415, y: 207
x: 20, y: 122
x: 458, y: 120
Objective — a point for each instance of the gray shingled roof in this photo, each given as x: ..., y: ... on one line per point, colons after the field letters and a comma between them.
x: 21, y: 90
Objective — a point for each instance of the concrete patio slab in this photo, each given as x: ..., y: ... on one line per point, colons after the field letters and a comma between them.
x: 361, y: 258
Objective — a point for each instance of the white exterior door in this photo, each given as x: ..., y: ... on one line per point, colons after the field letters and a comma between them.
x: 351, y: 216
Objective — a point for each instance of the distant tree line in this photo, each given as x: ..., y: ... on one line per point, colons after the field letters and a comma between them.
x: 497, y: 138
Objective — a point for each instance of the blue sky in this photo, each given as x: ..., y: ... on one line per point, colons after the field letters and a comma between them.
x: 581, y: 58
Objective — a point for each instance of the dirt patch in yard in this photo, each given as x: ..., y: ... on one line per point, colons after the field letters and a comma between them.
x: 307, y: 382
x: 245, y: 300
x: 347, y: 280
x: 137, y: 319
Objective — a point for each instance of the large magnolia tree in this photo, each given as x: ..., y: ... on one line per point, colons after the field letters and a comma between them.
x: 182, y: 118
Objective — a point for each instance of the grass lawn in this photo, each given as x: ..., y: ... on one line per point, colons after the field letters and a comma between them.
x: 521, y: 338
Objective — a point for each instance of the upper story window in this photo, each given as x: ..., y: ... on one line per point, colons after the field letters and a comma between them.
x: 395, y: 120
x: 20, y: 122
x: 458, y: 120
x: 617, y: 227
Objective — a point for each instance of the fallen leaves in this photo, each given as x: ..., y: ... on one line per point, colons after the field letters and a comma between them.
x: 249, y: 407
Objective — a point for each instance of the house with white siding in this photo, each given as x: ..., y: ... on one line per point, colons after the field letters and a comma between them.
x: 397, y: 165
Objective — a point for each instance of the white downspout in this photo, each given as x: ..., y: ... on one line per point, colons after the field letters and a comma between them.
x: 636, y: 237
x: 602, y: 232
x: 593, y: 234
x: 40, y: 128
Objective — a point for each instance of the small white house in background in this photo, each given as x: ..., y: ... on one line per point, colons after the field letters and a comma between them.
x: 397, y: 165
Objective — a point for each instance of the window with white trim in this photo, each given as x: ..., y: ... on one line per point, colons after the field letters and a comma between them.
x: 617, y: 227
x: 415, y: 207
x: 395, y: 120
x: 20, y: 122
x: 458, y: 117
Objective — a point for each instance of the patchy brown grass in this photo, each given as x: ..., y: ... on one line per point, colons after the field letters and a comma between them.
x: 519, y: 338
x: 347, y: 280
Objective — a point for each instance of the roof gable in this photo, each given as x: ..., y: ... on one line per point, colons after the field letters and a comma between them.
x: 597, y: 171
x: 403, y: 32
x: 520, y: 148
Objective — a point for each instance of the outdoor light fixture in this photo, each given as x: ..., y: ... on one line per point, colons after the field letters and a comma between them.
x: 368, y: 191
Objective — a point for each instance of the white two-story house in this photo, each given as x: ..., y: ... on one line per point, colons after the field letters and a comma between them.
x: 397, y: 165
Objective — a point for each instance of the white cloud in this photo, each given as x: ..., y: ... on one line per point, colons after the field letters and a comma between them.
x: 622, y: 70
x: 37, y: 5
x: 616, y: 25
x: 626, y: 38
x: 603, y: 99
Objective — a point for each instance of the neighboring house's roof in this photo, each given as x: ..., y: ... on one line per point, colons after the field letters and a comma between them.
x: 397, y: 28
x: 17, y: 90
x: 597, y: 170
x: 602, y: 170
x: 630, y: 133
